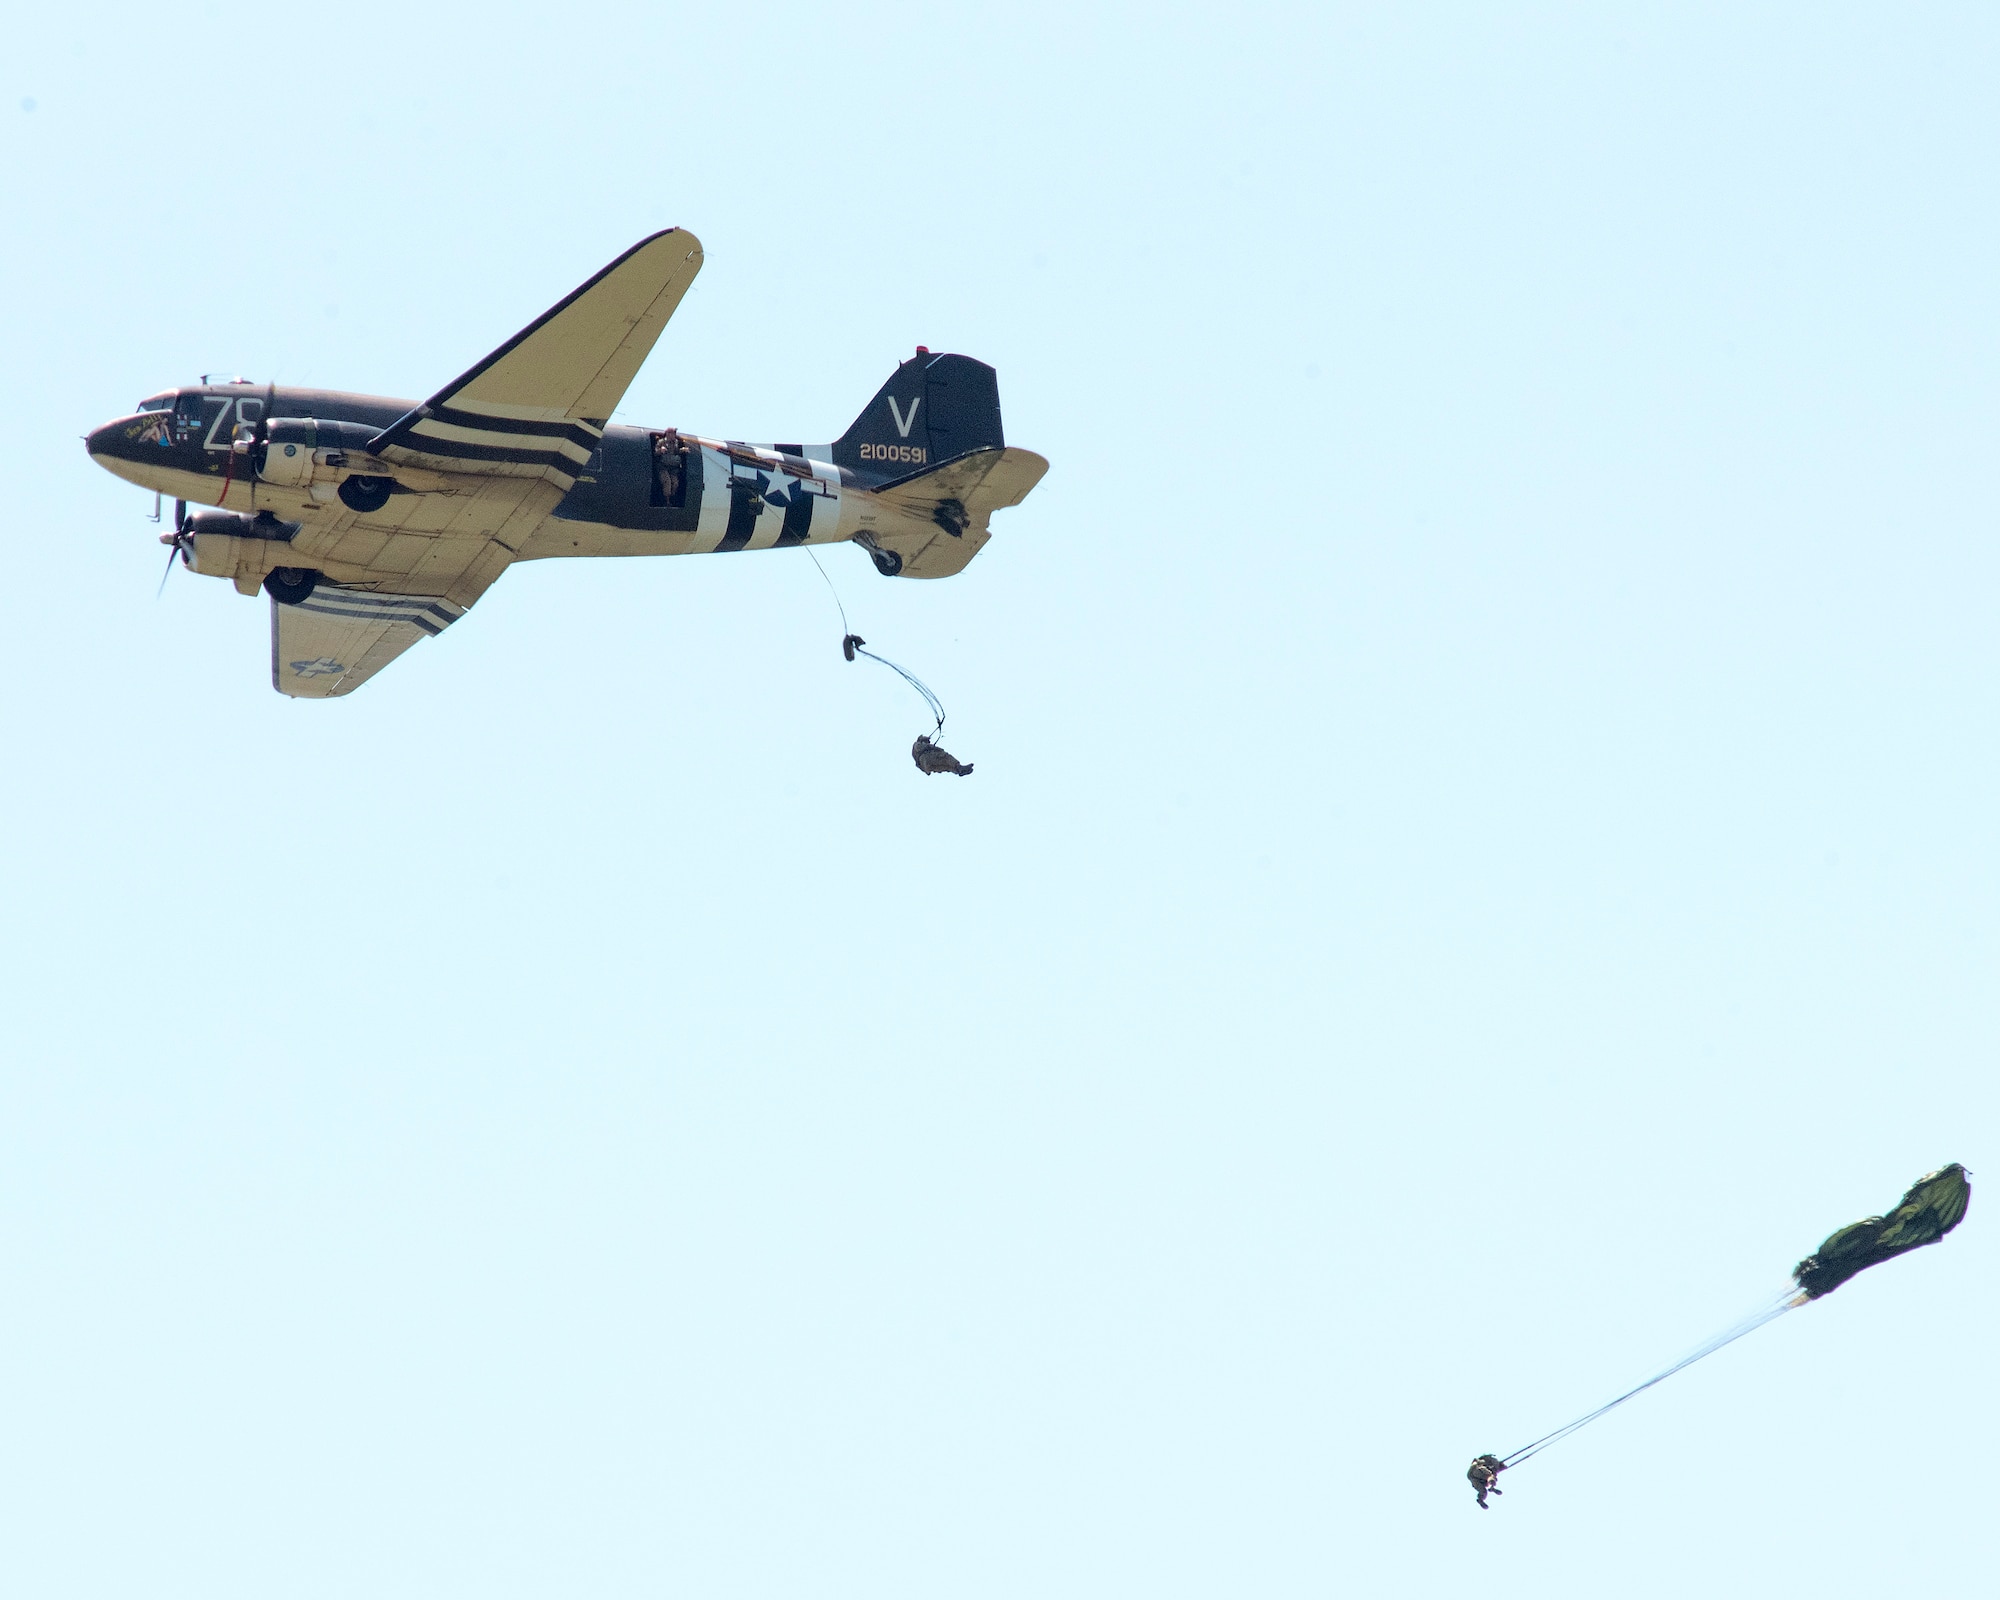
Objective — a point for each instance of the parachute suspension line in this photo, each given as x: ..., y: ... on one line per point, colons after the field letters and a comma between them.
x: 1708, y: 1347
x: 845, y: 630
x: 916, y: 683
x: 851, y: 644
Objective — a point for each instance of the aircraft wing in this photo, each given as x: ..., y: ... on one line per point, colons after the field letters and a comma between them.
x: 536, y: 407
x: 520, y: 424
x: 336, y: 639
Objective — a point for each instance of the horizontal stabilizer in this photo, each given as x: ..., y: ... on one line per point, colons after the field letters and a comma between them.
x: 943, y: 511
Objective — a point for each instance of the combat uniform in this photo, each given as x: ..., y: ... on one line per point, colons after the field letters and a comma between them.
x: 935, y: 758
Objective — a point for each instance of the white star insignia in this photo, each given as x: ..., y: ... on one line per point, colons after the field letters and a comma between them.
x: 778, y: 491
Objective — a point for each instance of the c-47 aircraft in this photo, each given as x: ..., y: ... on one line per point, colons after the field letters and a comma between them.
x: 373, y: 523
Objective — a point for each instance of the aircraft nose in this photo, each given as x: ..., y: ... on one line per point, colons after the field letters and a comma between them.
x: 128, y: 446
x: 126, y: 438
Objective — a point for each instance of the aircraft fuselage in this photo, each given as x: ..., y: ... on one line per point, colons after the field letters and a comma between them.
x: 643, y: 492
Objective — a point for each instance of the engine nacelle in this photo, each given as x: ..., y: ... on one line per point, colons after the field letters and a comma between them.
x: 299, y: 449
x: 222, y: 544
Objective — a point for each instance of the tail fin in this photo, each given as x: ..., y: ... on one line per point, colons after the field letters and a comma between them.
x: 932, y: 409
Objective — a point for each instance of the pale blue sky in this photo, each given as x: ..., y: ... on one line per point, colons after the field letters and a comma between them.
x: 1482, y: 849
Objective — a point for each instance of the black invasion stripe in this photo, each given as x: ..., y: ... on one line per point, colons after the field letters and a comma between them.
x: 742, y: 522
x: 543, y: 443
x: 789, y: 449
x: 393, y: 433
x: 382, y: 614
x: 377, y: 597
x: 453, y: 449
x: 798, y: 519
x: 575, y: 432
x: 431, y: 622
x: 400, y: 603
x: 363, y: 617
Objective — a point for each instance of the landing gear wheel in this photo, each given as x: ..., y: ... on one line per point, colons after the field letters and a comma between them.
x: 289, y: 585
x: 364, y: 494
x: 887, y: 562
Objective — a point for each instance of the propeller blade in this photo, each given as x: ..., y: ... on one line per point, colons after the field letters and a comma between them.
x: 180, y: 516
x: 173, y: 550
x: 262, y: 437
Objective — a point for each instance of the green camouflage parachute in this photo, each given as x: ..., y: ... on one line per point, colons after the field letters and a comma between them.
x: 1930, y: 1210
x: 1934, y: 1206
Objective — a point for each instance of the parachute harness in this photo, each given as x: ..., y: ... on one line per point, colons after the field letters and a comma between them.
x: 851, y: 646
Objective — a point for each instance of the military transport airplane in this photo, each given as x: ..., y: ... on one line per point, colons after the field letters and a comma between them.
x: 374, y: 523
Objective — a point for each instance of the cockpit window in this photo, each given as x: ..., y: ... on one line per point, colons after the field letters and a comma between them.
x: 187, y: 411
x: 159, y: 402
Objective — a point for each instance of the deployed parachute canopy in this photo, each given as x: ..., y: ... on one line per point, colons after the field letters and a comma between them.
x: 926, y: 753
x: 1933, y: 1206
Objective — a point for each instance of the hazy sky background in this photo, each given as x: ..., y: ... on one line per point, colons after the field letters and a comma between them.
x: 1482, y: 850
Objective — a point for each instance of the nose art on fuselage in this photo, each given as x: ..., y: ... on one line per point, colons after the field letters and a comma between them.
x: 127, y: 446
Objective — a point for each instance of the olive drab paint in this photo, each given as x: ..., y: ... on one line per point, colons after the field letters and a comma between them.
x: 932, y: 409
x: 1930, y: 1208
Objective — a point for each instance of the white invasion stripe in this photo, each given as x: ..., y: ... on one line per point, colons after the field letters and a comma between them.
x: 383, y: 607
x: 384, y: 619
x: 352, y: 601
x: 413, y: 454
x: 451, y: 432
x: 713, y: 523
x: 768, y: 527
x: 383, y: 597
x: 825, y: 517
x: 513, y: 413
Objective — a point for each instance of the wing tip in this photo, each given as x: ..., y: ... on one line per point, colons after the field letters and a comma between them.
x: 676, y: 232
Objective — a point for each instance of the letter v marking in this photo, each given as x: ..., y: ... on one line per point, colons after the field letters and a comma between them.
x: 903, y: 422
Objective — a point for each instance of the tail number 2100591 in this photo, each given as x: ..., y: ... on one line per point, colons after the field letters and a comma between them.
x: 894, y: 452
